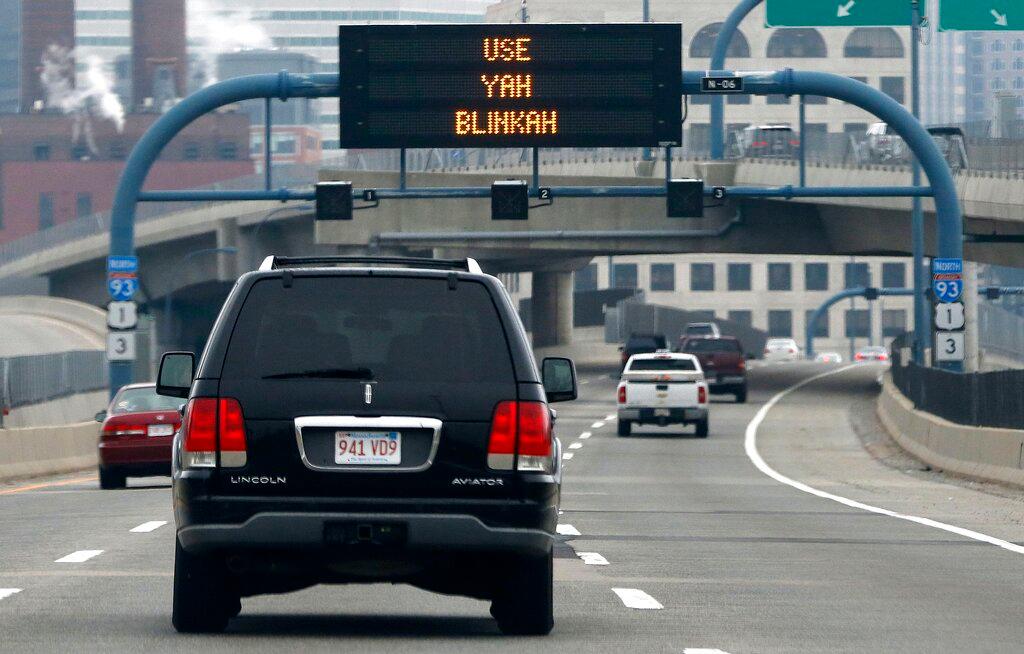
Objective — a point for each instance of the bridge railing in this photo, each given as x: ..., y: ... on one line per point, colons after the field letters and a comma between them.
x: 27, y: 380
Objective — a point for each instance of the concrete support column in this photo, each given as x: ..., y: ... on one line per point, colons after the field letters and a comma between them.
x: 228, y: 262
x: 551, y: 308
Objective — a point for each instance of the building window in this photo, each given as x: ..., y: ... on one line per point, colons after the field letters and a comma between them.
x: 702, y: 276
x: 585, y: 279
x: 118, y: 151
x: 780, y: 277
x: 1018, y: 64
x: 79, y: 152
x: 998, y: 65
x: 858, y: 323
x: 998, y: 84
x: 894, y: 322
x: 45, y: 211
x: 663, y: 277
x: 894, y: 275
x: 1018, y: 83
x: 873, y: 42
x: 624, y: 275
x: 780, y: 324
x: 858, y: 129
x: 83, y: 205
x: 816, y: 276
x: 856, y: 275
x: 998, y: 46
x: 1018, y: 46
x: 815, y: 99
x: 741, y: 317
x: 227, y: 151
x: 41, y: 152
x: 776, y: 98
x: 739, y: 276
x: 191, y: 152
x: 704, y: 41
x: 738, y: 99
x: 796, y: 44
x: 820, y: 327
x: 893, y: 87
x: 700, y: 133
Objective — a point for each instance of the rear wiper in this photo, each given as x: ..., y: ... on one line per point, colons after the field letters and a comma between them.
x: 325, y: 373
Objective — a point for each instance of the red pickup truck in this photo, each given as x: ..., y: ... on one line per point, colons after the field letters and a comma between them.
x: 725, y: 368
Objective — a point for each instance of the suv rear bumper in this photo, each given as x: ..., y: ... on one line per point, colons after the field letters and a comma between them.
x: 675, y: 415
x: 307, y: 531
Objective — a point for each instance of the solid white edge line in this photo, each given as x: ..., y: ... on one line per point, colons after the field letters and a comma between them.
x: 7, y: 592
x: 567, y: 530
x: 592, y: 558
x: 575, y: 446
x: 634, y: 598
x: 81, y: 556
x: 585, y: 435
x: 147, y: 527
x: 750, y: 446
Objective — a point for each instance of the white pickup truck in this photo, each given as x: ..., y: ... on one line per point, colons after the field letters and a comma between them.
x: 663, y: 388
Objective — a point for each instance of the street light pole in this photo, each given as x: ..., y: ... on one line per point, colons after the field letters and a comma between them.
x: 920, y: 282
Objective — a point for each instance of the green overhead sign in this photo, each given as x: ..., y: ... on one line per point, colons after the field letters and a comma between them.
x: 842, y: 13
x: 981, y: 15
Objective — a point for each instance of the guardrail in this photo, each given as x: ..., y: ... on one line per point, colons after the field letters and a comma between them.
x: 27, y: 380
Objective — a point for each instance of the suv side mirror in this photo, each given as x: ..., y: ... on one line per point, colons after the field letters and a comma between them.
x: 177, y: 369
x: 101, y: 416
x: 559, y: 379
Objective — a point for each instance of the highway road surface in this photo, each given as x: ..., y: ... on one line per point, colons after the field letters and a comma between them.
x: 779, y: 533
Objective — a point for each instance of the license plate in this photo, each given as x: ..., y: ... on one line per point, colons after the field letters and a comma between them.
x: 662, y: 413
x: 160, y: 430
x: 368, y: 448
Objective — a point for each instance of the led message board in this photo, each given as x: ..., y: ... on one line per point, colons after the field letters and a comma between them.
x: 424, y: 86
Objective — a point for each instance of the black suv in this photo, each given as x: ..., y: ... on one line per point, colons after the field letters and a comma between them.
x: 363, y: 420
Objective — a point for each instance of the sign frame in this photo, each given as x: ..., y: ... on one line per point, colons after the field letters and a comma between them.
x: 403, y: 85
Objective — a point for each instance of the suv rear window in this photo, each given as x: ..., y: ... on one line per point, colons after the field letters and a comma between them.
x: 711, y: 345
x: 661, y: 364
x: 369, y: 327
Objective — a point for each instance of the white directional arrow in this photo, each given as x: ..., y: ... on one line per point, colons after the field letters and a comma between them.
x: 1000, y: 18
x: 844, y: 10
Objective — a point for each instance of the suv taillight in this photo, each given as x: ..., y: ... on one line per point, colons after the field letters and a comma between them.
x: 622, y: 394
x: 532, y: 421
x: 702, y: 395
x: 206, y: 419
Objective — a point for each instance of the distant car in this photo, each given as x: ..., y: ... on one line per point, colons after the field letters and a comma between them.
x: 725, y: 368
x: 769, y: 141
x: 884, y: 144
x: 781, y: 349
x: 871, y: 353
x: 136, y: 436
x: 828, y: 357
x: 663, y: 388
x: 640, y: 343
x: 708, y: 329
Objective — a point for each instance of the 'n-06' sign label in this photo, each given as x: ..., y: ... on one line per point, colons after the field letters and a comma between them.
x: 421, y: 86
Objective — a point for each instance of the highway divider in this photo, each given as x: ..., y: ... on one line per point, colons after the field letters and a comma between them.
x: 987, y: 453
x: 36, y: 451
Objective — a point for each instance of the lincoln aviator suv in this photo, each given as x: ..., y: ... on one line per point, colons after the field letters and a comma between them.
x: 365, y: 420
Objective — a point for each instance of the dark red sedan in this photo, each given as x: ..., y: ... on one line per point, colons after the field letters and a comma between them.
x: 135, y: 441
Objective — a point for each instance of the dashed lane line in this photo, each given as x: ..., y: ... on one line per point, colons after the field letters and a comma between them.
x: 576, y: 446
x: 81, y: 556
x: 597, y: 425
x: 634, y: 598
x: 609, y: 417
x: 567, y: 456
x: 585, y: 435
x: 702, y: 650
x: 147, y: 527
x: 592, y: 558
x: 7, y: 592
x: 567, y: 530
x: 750, y: 446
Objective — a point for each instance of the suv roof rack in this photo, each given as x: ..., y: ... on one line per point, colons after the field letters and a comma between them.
x: 277, y: 263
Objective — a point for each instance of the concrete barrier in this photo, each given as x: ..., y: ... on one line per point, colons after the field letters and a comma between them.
x: 979, y: 452
x: 39, y: 451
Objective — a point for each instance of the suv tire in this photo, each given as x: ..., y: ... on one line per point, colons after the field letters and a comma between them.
x: 203, y: 601
x: 524, y: 605
x: 702, y: 428
x: 625, y: 427
x: 111, y: 479
x: 741, y: 395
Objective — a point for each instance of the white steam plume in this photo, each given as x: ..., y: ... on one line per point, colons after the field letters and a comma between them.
x: 216, y: 27
x: 94, y: 97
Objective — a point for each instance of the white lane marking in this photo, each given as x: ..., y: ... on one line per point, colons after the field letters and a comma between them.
x: 592, y: 558
x: 575, y: 446
x: 567, y: 456
x: 567, y: 530
x: 597, y: 425
x: 584, y: 381
x: 750, y: 445
x: 585, y: 435
x: 7, y: 592
x: 609, y: 417
x: 702, y: 650
x: 634, y: 598
x: 147, y: 527
x: 80, y: 556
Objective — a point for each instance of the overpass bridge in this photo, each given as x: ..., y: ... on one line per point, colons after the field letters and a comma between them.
x: 556, y: 240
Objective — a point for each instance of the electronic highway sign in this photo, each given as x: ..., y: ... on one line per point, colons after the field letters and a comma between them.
x: 453, y: 86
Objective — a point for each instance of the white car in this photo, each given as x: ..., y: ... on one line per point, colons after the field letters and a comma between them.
x: 663, y: 388
x: 782, y: 349
x: 828, y: 357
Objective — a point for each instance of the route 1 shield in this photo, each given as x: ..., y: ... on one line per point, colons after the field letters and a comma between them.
x: 949, y: 316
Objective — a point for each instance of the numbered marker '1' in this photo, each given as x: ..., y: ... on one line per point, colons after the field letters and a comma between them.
x: 950, y: 316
